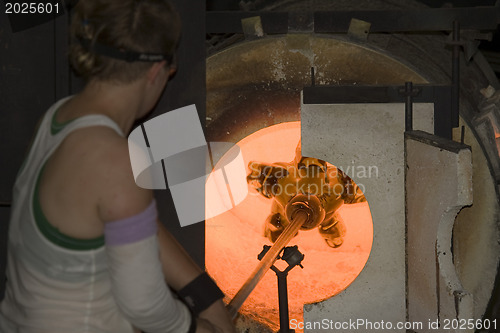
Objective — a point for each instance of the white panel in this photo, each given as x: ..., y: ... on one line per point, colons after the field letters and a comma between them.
x: 367, y: 142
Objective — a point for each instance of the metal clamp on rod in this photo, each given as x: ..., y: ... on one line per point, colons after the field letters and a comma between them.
x: 293, y: 257
x: 303, y: 212
x: 266, y: 263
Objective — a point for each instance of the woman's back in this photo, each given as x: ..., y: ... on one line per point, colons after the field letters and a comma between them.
x: 56, y: 280
x: 78, y: 172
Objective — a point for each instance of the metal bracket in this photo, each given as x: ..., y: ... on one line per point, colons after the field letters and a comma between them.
x: 455, y: 75
x: 359, y: 29
x: 409, y: 92
x: 469, y: 41
x: 252, y: 27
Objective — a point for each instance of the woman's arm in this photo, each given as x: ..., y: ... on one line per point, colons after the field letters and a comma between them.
x: 179, y: 270
x: 129, y: 218
x: 178, y: 267
x: 120, y: 198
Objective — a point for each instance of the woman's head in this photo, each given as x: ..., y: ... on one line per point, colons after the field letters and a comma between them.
x: 140, y: 26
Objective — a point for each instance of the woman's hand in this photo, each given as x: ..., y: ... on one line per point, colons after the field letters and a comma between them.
x: 217, y: 315
x: 204, y: 326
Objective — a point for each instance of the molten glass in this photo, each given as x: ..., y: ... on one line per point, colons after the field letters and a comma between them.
x: 309, y: 177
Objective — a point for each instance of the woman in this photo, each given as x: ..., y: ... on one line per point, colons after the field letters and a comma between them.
x: 86, y: 253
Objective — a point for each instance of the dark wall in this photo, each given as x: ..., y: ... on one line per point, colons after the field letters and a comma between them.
x: 34, y: 73
x: 186, y: 88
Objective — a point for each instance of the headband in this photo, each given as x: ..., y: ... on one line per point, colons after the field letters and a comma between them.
x: 128, y: 56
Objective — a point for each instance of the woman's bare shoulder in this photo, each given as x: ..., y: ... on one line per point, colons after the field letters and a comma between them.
x: 118, y: 195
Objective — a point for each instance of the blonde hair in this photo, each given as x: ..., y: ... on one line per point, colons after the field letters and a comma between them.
x: 143, y: 26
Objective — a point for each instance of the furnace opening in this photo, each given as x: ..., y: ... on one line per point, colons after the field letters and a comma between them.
x: 235, y: 238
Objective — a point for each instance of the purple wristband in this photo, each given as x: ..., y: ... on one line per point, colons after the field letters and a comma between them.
x: 132, y: 229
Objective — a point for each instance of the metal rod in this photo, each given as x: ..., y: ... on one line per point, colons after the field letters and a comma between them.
x: 266, y: 263
x: 409, y: 106
x: 283, y: 302
x: 455, y: 75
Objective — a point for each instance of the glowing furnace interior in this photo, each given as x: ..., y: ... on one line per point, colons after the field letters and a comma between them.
x: 235, y: 238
